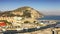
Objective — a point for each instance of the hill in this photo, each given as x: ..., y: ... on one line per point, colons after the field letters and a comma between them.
x: 23, y: 12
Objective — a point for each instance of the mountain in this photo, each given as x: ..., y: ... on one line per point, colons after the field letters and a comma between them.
x: 23, y: 12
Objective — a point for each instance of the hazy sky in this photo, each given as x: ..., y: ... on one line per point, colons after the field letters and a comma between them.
x: 48, y: 7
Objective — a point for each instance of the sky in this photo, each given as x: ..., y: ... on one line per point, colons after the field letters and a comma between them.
x: 47, y: 7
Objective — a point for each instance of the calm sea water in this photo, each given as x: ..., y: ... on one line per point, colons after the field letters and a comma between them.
x: 50, y: 18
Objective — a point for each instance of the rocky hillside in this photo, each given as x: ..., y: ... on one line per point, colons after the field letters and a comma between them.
x: 23, y: 12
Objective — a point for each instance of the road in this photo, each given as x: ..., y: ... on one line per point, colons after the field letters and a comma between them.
x: 31, y: 29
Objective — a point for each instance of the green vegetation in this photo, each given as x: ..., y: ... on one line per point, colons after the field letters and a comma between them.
x: 26, y: 13
x: 26, y: 22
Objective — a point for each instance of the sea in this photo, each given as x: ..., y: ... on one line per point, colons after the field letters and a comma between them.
x: 50, y: 18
